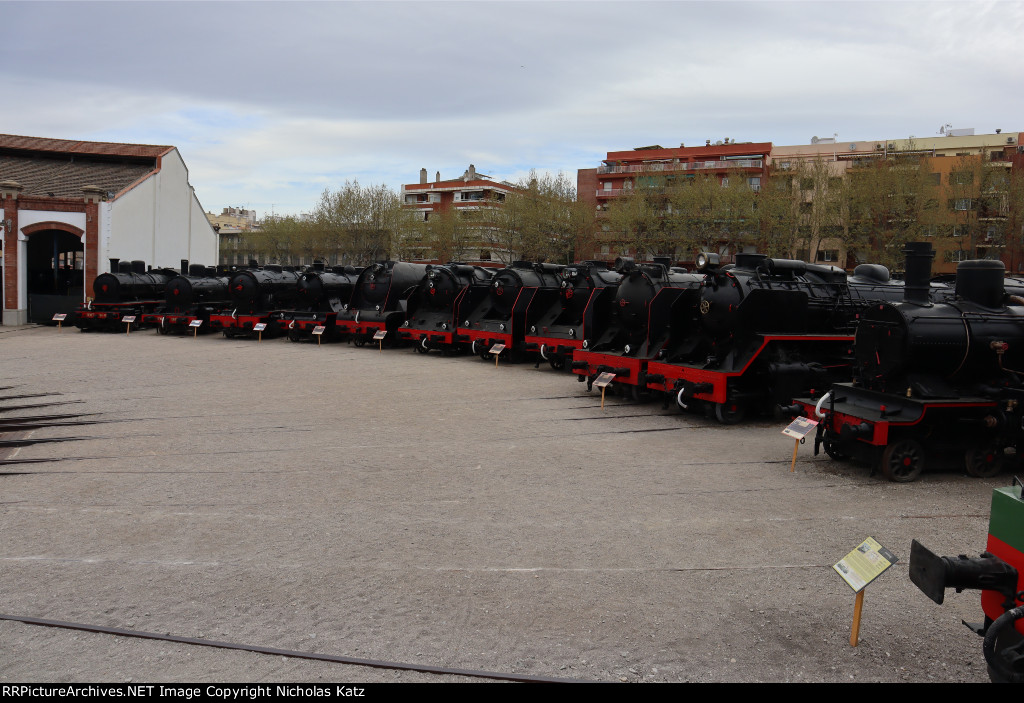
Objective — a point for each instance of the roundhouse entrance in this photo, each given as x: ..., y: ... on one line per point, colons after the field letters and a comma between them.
x: 54, y: 263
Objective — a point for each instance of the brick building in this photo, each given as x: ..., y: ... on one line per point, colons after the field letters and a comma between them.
x: 69, y: 206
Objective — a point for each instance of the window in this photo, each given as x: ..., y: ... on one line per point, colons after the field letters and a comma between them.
x: 960, y: 230
x: 725, y: 181
x: 961, y: 178
x: 958, y: 255
x: 754, y: 182
x: 963, y: 204
x: 607, y: 185
x: 828, y: 255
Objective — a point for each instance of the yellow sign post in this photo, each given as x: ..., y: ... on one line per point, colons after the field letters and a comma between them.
x: 859, y: 568
x: 602, y: 382
x: 798, y: 430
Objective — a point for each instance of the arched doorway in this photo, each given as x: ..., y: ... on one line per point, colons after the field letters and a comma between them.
x: 54, y: 268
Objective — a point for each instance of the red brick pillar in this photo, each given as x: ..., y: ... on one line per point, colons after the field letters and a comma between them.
x: 93, y: 196
x: 9, y: 196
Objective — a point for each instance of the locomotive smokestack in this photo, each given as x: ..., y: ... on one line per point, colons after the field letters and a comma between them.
x: 184, y: 267
x: 918, y: 272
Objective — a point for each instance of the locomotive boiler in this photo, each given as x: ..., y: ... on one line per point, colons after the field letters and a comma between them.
x: 581, y: 307
x: 932, y: 380
x: 434, y: 306
x: 379, y: 301
x: 499, y: 311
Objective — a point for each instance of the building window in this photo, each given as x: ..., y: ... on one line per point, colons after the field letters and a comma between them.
x: 607, y: 185
x: 963, y: 204
x: 828, y: 255
x: 960, y: 230
x: 958, y: 255
x: 725, y: 181
x: 754, y: 182
x: 962, y: 178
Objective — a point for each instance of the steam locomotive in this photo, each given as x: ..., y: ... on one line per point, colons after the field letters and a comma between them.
x: 998, y: 573
x: 194, y: 294
x: 320, y: 296
x: 128, y: 290
x: 257, y: 297
x: 932, y: 380
x: 378, y: 302
x: 434, y: 307
x: 755, y: 335
x: 638, y: 327
x: 578, y: 309
x: 500, y: 311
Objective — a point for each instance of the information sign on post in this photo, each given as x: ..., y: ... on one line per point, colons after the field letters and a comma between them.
x: 318, y: 332
x: 379, y: 335
x: 497, y: 349
x: 258, y: 328
x: 798, y: 430
x: 129, y: 319
x: 195, y: 324
x: 59, y: 319
x: 859, y: 568
x: 602, y: 382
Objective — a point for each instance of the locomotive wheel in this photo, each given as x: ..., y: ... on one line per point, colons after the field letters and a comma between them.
x: 359, y: 342
x: 834, y: 447
x: 420, y: 349
x: 983, y: 463
x: 163, y: 329
x: 556, y: 362
x: 293, y: 337
x: 730, y: 412
x: 903, y: 461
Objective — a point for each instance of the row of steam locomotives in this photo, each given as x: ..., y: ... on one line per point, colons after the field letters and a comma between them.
x: 907, y: 364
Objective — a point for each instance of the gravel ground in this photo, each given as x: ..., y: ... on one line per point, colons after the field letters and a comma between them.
x: 440, y: 511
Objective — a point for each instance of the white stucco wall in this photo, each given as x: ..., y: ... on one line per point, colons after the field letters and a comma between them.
x: 159, y: 221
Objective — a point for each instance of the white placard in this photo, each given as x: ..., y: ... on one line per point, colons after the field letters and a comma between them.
x: 380, y: 334
x: 604, y: 380
x: 319, y: 329
x: 59, y: 317
x: 128, y: 318
x: 259, y: 327
x: 195, y: 323
x: 497, y: 349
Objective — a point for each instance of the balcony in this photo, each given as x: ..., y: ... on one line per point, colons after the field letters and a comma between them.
x: 662, y: 167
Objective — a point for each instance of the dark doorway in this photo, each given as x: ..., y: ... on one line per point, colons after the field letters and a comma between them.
x: 54, y: 267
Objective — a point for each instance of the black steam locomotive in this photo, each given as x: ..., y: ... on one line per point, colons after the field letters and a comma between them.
x: 433, y: 308
x: 578, y: 309
x: 258, y: 295
x: 195, y: 294
x: 755, y: 335
x: 638, y: 324
x: 500, y: 311
x: 933, y: 380
x: 129, y: 290
x: 378, y: 302
x: 320, y: 295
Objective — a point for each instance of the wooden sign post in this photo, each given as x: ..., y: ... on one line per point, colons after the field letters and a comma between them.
x: 129, y: 319
x: 859, y: 568
x: 195, y: 324
x: 798, y: 430
x: 379, y: 335
x: 602, y: 382
x: 318, y: 332
x: 258, y: 328
x: 60, y: 317
x: 497, y: 349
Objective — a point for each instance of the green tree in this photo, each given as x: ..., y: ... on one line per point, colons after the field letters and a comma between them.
x: 541, y: 221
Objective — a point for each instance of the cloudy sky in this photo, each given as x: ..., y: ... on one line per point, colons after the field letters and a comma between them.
x: 272, y: 102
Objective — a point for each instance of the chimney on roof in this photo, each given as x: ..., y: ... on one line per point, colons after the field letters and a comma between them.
x: 437, y: 178
x: 10, y: 189
x: 93, y: 194
x: 423, y: 176
x: 707, y: 143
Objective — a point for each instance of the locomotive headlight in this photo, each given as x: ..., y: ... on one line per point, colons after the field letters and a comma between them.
x: 706, y: 260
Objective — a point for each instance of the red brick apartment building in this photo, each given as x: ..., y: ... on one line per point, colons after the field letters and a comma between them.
x: 621, y: 171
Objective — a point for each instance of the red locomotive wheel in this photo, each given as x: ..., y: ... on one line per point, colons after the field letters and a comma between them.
x: 903, y: 461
